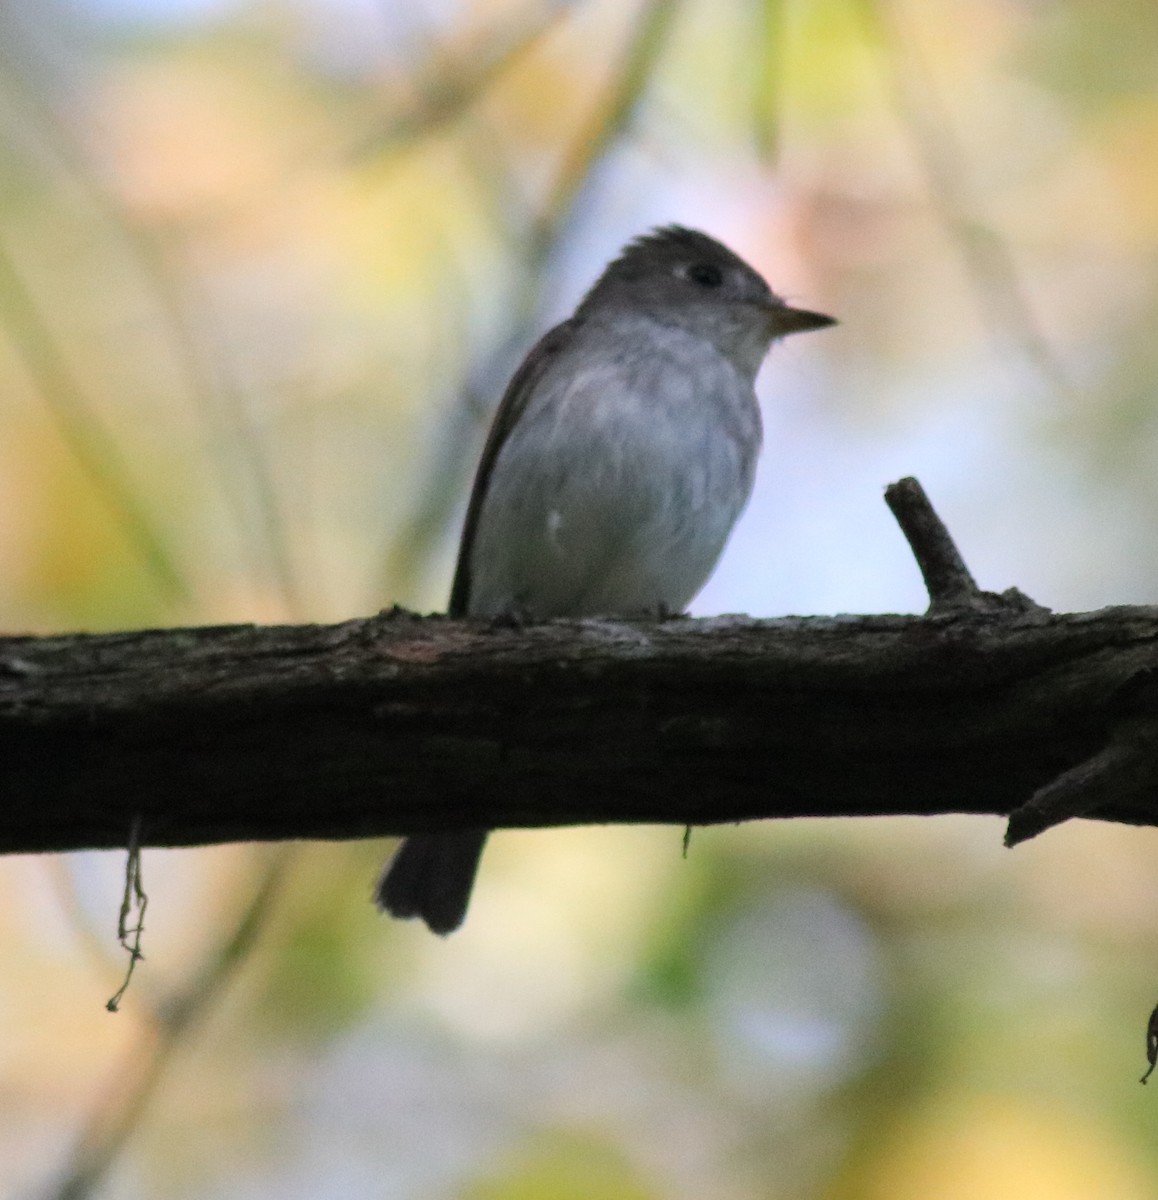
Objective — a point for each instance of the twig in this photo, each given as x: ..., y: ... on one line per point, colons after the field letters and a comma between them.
x: 134, y: 898
x: 947, y: 579
x: 1151, y: 1045
x: 1117, y: 773
x: 951, y: 586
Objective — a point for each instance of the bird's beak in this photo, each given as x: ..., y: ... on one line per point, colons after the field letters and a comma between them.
x: 800, y: 320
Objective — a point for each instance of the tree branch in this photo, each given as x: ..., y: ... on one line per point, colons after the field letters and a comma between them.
x: 400, y: 724
x: 396, y: 724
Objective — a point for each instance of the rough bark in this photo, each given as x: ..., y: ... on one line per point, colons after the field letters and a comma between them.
x: 399, y: 724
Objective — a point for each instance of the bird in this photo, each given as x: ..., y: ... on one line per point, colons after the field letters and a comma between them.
x: 619, y: 458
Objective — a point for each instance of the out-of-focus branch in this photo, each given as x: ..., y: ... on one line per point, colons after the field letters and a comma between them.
x: 767, y: 92
x: 241, y: 453
x: 244, y: 475
x: 1003, y: 306
x: 459, y: 80
x: 136, y: 1079
x: 80, y: 427
x: 612, y: 119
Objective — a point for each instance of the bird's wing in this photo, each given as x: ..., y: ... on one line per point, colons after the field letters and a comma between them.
x: 510, y: 409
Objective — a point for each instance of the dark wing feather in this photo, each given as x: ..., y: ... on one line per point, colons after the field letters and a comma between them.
x: 510, y: 409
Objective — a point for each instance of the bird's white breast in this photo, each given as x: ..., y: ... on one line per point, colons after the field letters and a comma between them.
x: 618, y: 486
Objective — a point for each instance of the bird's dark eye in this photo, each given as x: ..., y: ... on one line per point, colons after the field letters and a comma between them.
x: 706, y: 275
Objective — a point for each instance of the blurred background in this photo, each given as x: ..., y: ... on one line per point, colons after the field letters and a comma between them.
x: 265, y: 266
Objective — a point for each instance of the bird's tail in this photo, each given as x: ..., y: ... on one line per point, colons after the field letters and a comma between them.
x: 431, y: 876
